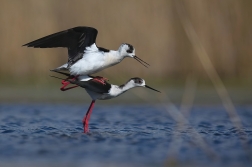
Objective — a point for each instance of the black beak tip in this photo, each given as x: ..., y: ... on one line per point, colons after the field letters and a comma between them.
x: 152, y: 88
x: 141, y: 61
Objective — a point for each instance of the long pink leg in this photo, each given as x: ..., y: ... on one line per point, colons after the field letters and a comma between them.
x: 64, y: 89
x: 65, y: 83
x: 87, y: 117
x: 100, y: 79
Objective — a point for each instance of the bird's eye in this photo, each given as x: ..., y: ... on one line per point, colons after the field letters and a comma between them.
x: 139, y: 81
x: 129, y: 50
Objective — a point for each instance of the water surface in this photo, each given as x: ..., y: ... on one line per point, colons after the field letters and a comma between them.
x: 121, y: 135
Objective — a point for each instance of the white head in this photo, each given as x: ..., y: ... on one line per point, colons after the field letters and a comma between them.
x: 127, y: 50
x: 136, y: 82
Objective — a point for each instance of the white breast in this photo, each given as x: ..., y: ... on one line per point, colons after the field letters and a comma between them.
x: 91, y: 62
x: 113, y: 92
x: 94, y: 61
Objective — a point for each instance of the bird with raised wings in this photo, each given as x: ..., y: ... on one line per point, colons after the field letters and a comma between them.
x: 84, y: 57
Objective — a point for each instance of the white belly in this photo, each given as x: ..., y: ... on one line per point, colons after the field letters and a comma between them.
x: 93, y: 62
x: 89, y: 64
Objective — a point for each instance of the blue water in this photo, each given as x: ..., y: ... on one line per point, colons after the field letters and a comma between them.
x: 122, y: 135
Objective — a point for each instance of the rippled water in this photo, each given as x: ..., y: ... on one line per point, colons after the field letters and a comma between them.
x: 121, y: 135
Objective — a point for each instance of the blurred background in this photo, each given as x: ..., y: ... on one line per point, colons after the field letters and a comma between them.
x: 200, y: 54
x: 196, y: 41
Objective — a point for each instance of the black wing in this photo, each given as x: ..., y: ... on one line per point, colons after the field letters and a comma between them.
x: 90, y: 84
x: 93, y: 86
x: 75, y: 39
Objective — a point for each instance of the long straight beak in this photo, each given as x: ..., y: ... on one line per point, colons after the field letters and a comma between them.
x: 141, y: 61
x: 152, y: 88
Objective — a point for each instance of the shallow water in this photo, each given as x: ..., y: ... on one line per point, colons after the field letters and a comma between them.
x: 121, y: 135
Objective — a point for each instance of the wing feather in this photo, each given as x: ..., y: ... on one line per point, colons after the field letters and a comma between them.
x: 75, y: 39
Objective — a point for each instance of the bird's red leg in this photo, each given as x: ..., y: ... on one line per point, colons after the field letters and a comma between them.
x: 64, y: 89
x: 100, y: 79
x: 87, y: 117
x: 65, y: 83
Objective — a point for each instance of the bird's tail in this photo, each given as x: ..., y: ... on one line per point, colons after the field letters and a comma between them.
x: 69, y: 76
x: 62, y: 68
x: 57, y: 71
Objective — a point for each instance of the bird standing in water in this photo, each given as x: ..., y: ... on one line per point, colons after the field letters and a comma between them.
x: 100, y: 91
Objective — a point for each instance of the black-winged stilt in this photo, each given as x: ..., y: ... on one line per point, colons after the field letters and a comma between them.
x: 84, y: 57
x: 100, y: 91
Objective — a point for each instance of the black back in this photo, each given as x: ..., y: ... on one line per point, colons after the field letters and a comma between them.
x: 75, y: 39
x: 103, y: 49
x: 94, y: 86
x: 91, y: 84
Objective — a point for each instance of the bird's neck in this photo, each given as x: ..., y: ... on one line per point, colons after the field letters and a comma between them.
x: 113, y: 57
x: 126, y: 87
x: 118, y: 90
